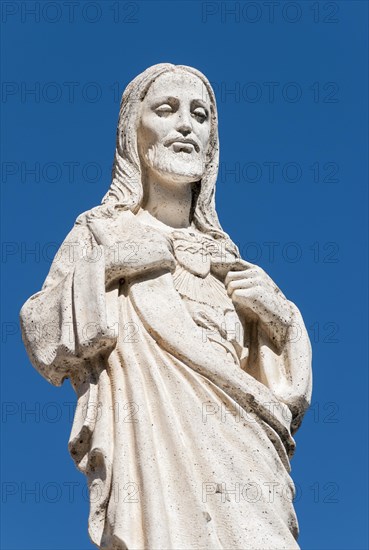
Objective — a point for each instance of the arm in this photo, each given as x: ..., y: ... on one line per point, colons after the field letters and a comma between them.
x: 66, y: 323
x: 75, y: 316
x: 279, y: 347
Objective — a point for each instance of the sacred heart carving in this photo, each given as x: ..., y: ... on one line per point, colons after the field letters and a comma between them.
x: 191, y: 253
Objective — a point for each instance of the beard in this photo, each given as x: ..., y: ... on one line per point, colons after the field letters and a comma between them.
x: 180, y: 166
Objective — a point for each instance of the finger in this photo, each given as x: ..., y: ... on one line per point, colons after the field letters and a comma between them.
x: 237, y: 275
x: 240, y: 265
x: 240, y: 284
x: 234, y: 275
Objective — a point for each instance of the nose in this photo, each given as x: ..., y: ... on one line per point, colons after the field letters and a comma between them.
x: 184, y: 125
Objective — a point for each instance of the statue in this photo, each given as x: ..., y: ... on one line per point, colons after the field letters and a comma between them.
x: 191, y: 368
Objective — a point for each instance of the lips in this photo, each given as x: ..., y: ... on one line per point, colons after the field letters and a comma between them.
x: 186, y: 145
x: 179, y: 146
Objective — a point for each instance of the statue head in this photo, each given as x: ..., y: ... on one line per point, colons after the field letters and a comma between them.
x: 143, y: 143
x: 174, y: 130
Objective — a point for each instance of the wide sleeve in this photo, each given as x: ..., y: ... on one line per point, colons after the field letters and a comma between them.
x: 286, y: 371
x: 72, y: 319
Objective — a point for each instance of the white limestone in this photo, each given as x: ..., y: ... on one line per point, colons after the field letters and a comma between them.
x: 191, y: 368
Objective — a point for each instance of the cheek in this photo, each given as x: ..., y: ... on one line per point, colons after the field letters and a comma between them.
x: 148, y: 132
x: 204, y: 135
x: 153, y: 129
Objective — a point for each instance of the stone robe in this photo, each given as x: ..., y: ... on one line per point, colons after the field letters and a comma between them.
x: 185, y: 409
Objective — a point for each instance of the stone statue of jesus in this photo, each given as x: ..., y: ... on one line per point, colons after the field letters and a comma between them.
x: 191, y: 368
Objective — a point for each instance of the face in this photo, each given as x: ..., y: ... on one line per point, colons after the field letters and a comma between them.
x: 174, y: 128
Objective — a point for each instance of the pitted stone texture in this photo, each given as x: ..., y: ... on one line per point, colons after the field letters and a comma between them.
x: 192, y: 369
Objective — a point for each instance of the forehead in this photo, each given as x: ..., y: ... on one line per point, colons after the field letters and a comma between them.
x: 178, y: 84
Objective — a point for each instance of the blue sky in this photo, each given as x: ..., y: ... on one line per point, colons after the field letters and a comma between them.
x: 291, y: 83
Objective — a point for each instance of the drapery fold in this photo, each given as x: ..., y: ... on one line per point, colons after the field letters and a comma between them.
x: 134, y: 344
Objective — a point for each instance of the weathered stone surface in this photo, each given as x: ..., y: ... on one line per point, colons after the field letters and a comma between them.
x: 191, y: 368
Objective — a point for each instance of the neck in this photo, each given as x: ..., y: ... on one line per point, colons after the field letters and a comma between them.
x: 169, y: 204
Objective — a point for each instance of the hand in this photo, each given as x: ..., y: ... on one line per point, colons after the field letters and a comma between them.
x: 131, y: 248
x: 258, y: 298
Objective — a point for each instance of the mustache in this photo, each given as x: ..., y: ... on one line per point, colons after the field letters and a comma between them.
x: 182, y: 139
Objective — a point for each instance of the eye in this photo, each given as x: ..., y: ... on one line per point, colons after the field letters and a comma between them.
x: 164, y: 109
x: 200, y: 113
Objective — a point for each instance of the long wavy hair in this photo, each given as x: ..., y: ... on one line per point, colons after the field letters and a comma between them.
x: 126, y: 189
